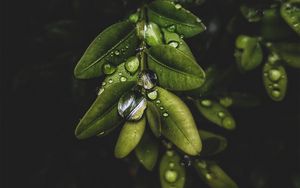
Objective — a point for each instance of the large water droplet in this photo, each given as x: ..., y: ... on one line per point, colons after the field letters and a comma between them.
x: 108, y: 69
x: 171, y: 28
x: 171, y: 176
x: 206, y: 102
x: 228, y: 122
x: 186, y: 161
x: 274, y: 75
x: 173, y: 43
x: 152, y: 95
x: 147, y: 79
x: 132, y: 105
x: 132, y: 64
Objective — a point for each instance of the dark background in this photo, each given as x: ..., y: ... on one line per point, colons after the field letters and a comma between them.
x: 41, y: 103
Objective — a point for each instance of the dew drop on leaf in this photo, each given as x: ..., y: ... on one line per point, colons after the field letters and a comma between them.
x: 170, y: 153
x: 132, y: 65
x: 165, y: 114
x: 103, y: 83
x: 274, y: 75
x: 123, y: 79
x: 100, y: 91
x: 110, y: 81
x: 147, y: 79
x: 171, y: 176
x: 171, y: 165
x: 108, y: 69
x: 152, y: 95
x: 117, y: 52
x: 178, y: 6
x: 221, y: 114
x: 161, y: 108
x: 132, y: 105
x: 174, y: 44
x: 158, y: 102
x: 171, y: 28
x: 206, y: 103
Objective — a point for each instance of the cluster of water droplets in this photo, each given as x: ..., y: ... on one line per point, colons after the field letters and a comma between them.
x: 292, y: 10
x: 205, y: 169
x: 171, y: 175
x: 226, y: 120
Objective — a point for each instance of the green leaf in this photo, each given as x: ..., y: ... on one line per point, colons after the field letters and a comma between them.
x: 216, y: 113
x: 171, y: 172
x: 129, y: 138
x: 212, y: 143
x: 178, y: 124
x: 113, y: 46
x: 175, y: 70
x: 290, y: 12
x: 175, y: 18
x: 213, y: 175
x: 153, y: 118
x: 174, y: 40
x: 248, y: 54
x: 102, y: 117
x: 289, y: 52
x: 275, y: 78
x: 147, y: 151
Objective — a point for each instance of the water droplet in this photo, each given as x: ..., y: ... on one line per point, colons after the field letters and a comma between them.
x: 108, y: 69
x: 276, y: 93
x: 178, y: 6
x: 100, y: 91
x: 132, y: 105
x: 221, y: 114
x: 198, y: 20
x: 173, y: 43
x: 181, y: 36
x: 208, y: 176
x: 127, y: 46
x: 274, y: 75
x: 132, y: 64
x: 161, y: 107
x: 120, y: 74
x: 170, y: 153
x: 171, y: 165
x: 152, y: 95
x: 103, y: 83
x: 186, y: 161
x: 101, y: 133
x: 206, y: 102
x: 123, y: 79
x: 228, y: 123
x: 117, y: 52
x: 110, y: 81
x: 158, y: 101
x: 165, y: 114
x: 171, y: 176
x: 147, y: 79
x: 171, y: 28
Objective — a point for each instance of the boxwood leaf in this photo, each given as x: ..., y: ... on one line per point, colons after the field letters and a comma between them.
x: 216, y: 113
x: 289, y: 52
x: 175, y: 70
x: 102, y: 117
x: 174, y: 40
x: 153, y: 118
x: 113, y: 45
x: 178, y: 124
x: 249, y: 53
x: 213, y: 175
x: 129, y: 137
x: 171, y: 172
x: 147, y: 151
x: 212, y: 143
x: 175, y: 18
x: 275, y: 78
x: 290, y: 12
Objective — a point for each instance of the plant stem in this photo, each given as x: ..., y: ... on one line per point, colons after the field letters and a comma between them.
x: 143, y: 46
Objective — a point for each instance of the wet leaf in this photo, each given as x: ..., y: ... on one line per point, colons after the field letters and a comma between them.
x: 113, y: 46
x: 213, y: 175
x: 178, y: 124
x: 216, y: 113
x: 147, y: 151
x: 290, y: 12
x: 175, y: 70
x: 248, y: 54
x: 153, y: 35
x: 289, y: 52
x: 129, y: 137
x: 275, y: 78
x: 174, y: 40
x: 153, y: 118
x: 175, y: 18
x: 103, y: 117
x: 171, y: 172
x: 212, y: 143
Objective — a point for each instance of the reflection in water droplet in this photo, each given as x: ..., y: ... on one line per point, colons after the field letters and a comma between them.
x: 228, y: 123
x: 108, y: 69
x: 173, y: 43
x: 274, y: 75
x: 152, y: 95
x: 100, y: 91
x: 276, y: 93
x: 132, y: 64
x: 123, y: 79
x: 171, y: 176
x: 206, y: 102
x: 132, y: 105
x: 171, y: 28
x: 221, y: 114
x: 165, y: 114
x: 147, y: 79
x: 178, y: 6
